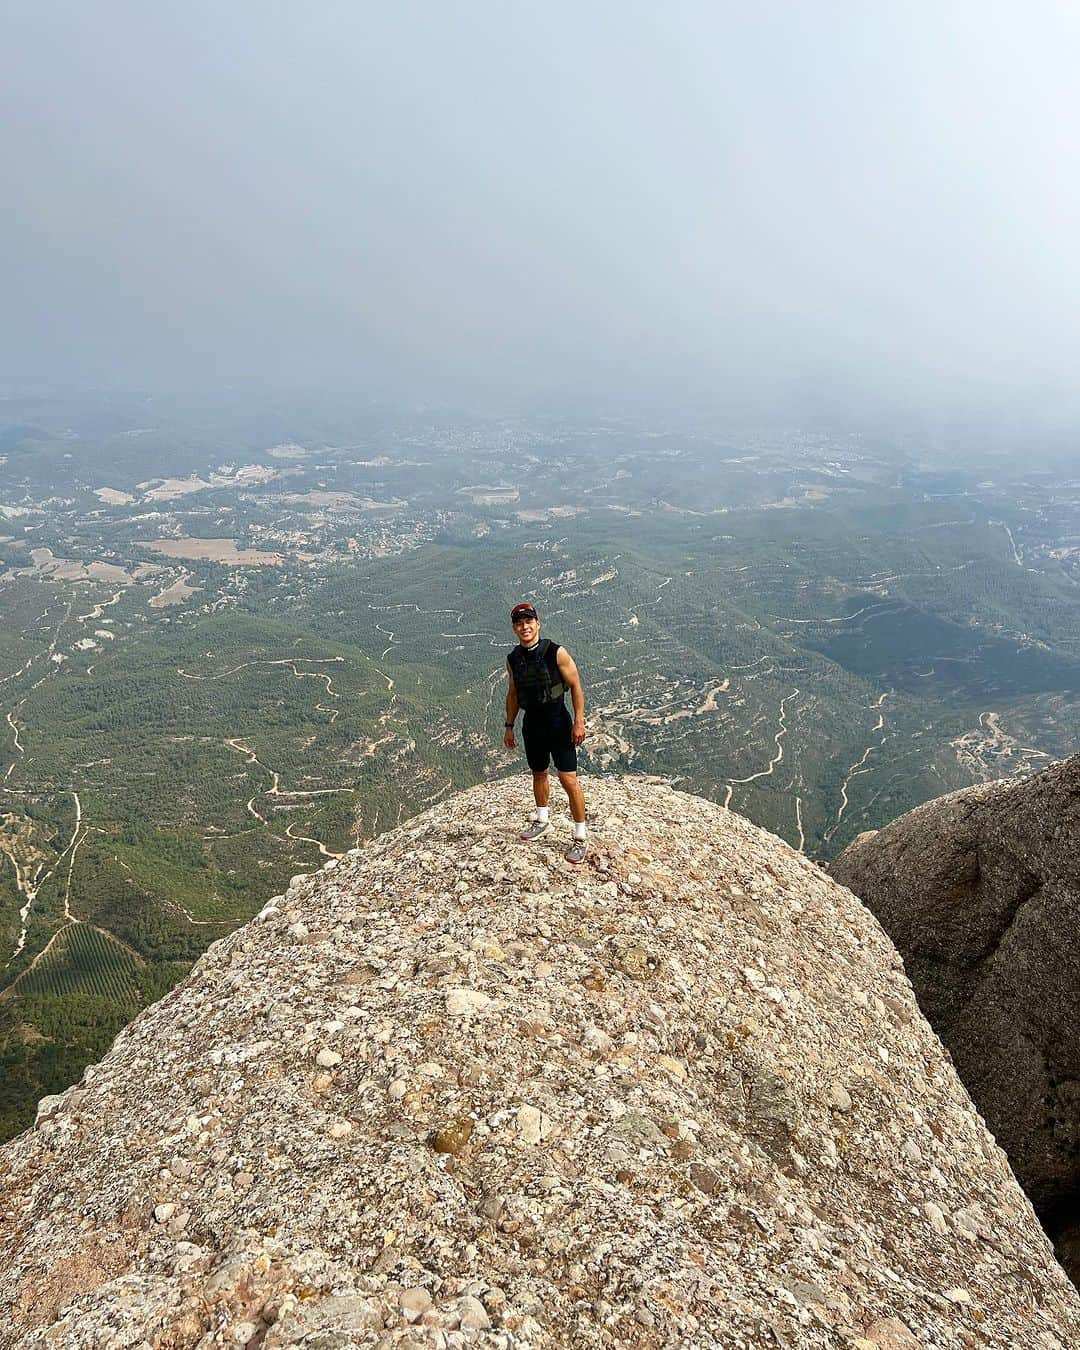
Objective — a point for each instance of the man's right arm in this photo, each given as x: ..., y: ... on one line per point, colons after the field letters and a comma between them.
x: 511, y: 709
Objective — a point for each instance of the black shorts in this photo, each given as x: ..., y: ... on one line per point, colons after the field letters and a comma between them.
x: 550, y: 736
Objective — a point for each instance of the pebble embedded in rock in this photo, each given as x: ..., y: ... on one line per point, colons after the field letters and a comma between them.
x: 936, y: 1216
x: 327, y: 1058
x: 452, y: 1138
x: 671, y: 1066
x: 414, y: 1303
x: 472, y: 1315
x: 888, y: 1333
x: 839, y: 1097
x: 533, y: 1125
x: 466, y: 1002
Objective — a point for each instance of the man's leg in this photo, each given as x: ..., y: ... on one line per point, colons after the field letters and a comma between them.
x: 541, y: 793
x: 577, y: 797
x: 576, y: 852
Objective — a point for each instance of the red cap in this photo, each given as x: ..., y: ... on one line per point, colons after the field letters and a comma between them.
x: 523, y: 611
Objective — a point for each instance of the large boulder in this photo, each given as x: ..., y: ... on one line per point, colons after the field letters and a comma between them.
x: 456, y: 1092
x: 980, y: 891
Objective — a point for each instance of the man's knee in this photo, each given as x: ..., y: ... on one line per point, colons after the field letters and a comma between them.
x: 568, y: 778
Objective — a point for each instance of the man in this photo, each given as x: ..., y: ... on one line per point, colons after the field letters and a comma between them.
x: 540, y: 673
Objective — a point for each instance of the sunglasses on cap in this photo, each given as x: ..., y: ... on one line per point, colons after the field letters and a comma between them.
x: 520, y: 612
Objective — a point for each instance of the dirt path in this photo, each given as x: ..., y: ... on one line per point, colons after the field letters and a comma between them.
x: 393, y: 641
x: 76, y: 840
x: 16, y: 845
x: 99, y: 609
x: 15, y: 737
x: 21, y: 671
x: 458, y: 613
x: 842, y: 618
x: 28, y: 884
x: 170, y: 903
x: 758, y: 674
x: 858, y: 767
x: 1017, y: 556
x: 389, y: 681
x: 276, y: 790
x: 880, y: 580
x: 778, y: 739
x: 278, y: 661
x: 50, y: 669
x: 304, y: 838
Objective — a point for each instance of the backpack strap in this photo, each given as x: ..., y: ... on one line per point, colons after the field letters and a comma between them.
x: 551, y: 660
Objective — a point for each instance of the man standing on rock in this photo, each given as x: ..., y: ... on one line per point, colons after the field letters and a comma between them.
x: 540, y: 673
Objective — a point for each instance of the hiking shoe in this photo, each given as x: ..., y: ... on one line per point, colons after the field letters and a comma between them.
x: 577, y: 850
x: 534, y: 830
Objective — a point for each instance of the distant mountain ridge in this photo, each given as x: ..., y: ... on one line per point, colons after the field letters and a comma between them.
x: 453, y: 1092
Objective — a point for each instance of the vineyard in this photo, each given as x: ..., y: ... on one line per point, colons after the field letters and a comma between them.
x: 84, y: 960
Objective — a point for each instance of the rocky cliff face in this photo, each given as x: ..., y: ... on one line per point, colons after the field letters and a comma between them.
x: 454, y: 1092
x: 980, y: 890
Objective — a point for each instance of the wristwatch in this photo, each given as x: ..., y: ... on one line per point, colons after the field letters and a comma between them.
x: 508, y: 725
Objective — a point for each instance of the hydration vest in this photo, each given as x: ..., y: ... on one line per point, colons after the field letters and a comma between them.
x: 537, y: 678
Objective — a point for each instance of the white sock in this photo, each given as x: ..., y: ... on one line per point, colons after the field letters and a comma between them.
x: 541, y: 814
x: 579, y: 829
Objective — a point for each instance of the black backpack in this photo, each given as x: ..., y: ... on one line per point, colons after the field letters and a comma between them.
x: 537, y: 677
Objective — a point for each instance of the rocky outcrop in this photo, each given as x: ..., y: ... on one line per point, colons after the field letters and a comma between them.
x: 454, y: 1092
x: 980, y: 890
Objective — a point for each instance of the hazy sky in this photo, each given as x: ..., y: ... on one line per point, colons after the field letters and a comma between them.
x: 465, y: 197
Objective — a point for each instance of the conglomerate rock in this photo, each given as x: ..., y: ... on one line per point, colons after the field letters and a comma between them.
x: 454, y: 1092
x: 980, y: 891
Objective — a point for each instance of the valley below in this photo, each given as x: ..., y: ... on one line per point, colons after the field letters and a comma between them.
x: 229, y: 657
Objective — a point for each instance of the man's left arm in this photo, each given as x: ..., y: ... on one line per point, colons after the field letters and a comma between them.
x: 569, y: 671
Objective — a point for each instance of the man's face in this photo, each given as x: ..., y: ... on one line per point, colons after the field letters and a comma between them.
x: 527, y: 630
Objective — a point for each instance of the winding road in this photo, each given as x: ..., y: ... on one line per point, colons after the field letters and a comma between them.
x: 778, y: 739
x: 859, y: 766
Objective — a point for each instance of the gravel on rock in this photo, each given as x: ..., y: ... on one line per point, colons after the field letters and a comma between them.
x: 455, y: 1092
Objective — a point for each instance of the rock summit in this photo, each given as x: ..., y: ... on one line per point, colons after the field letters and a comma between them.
x: 454, y: 1092
x: 980, y: 891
